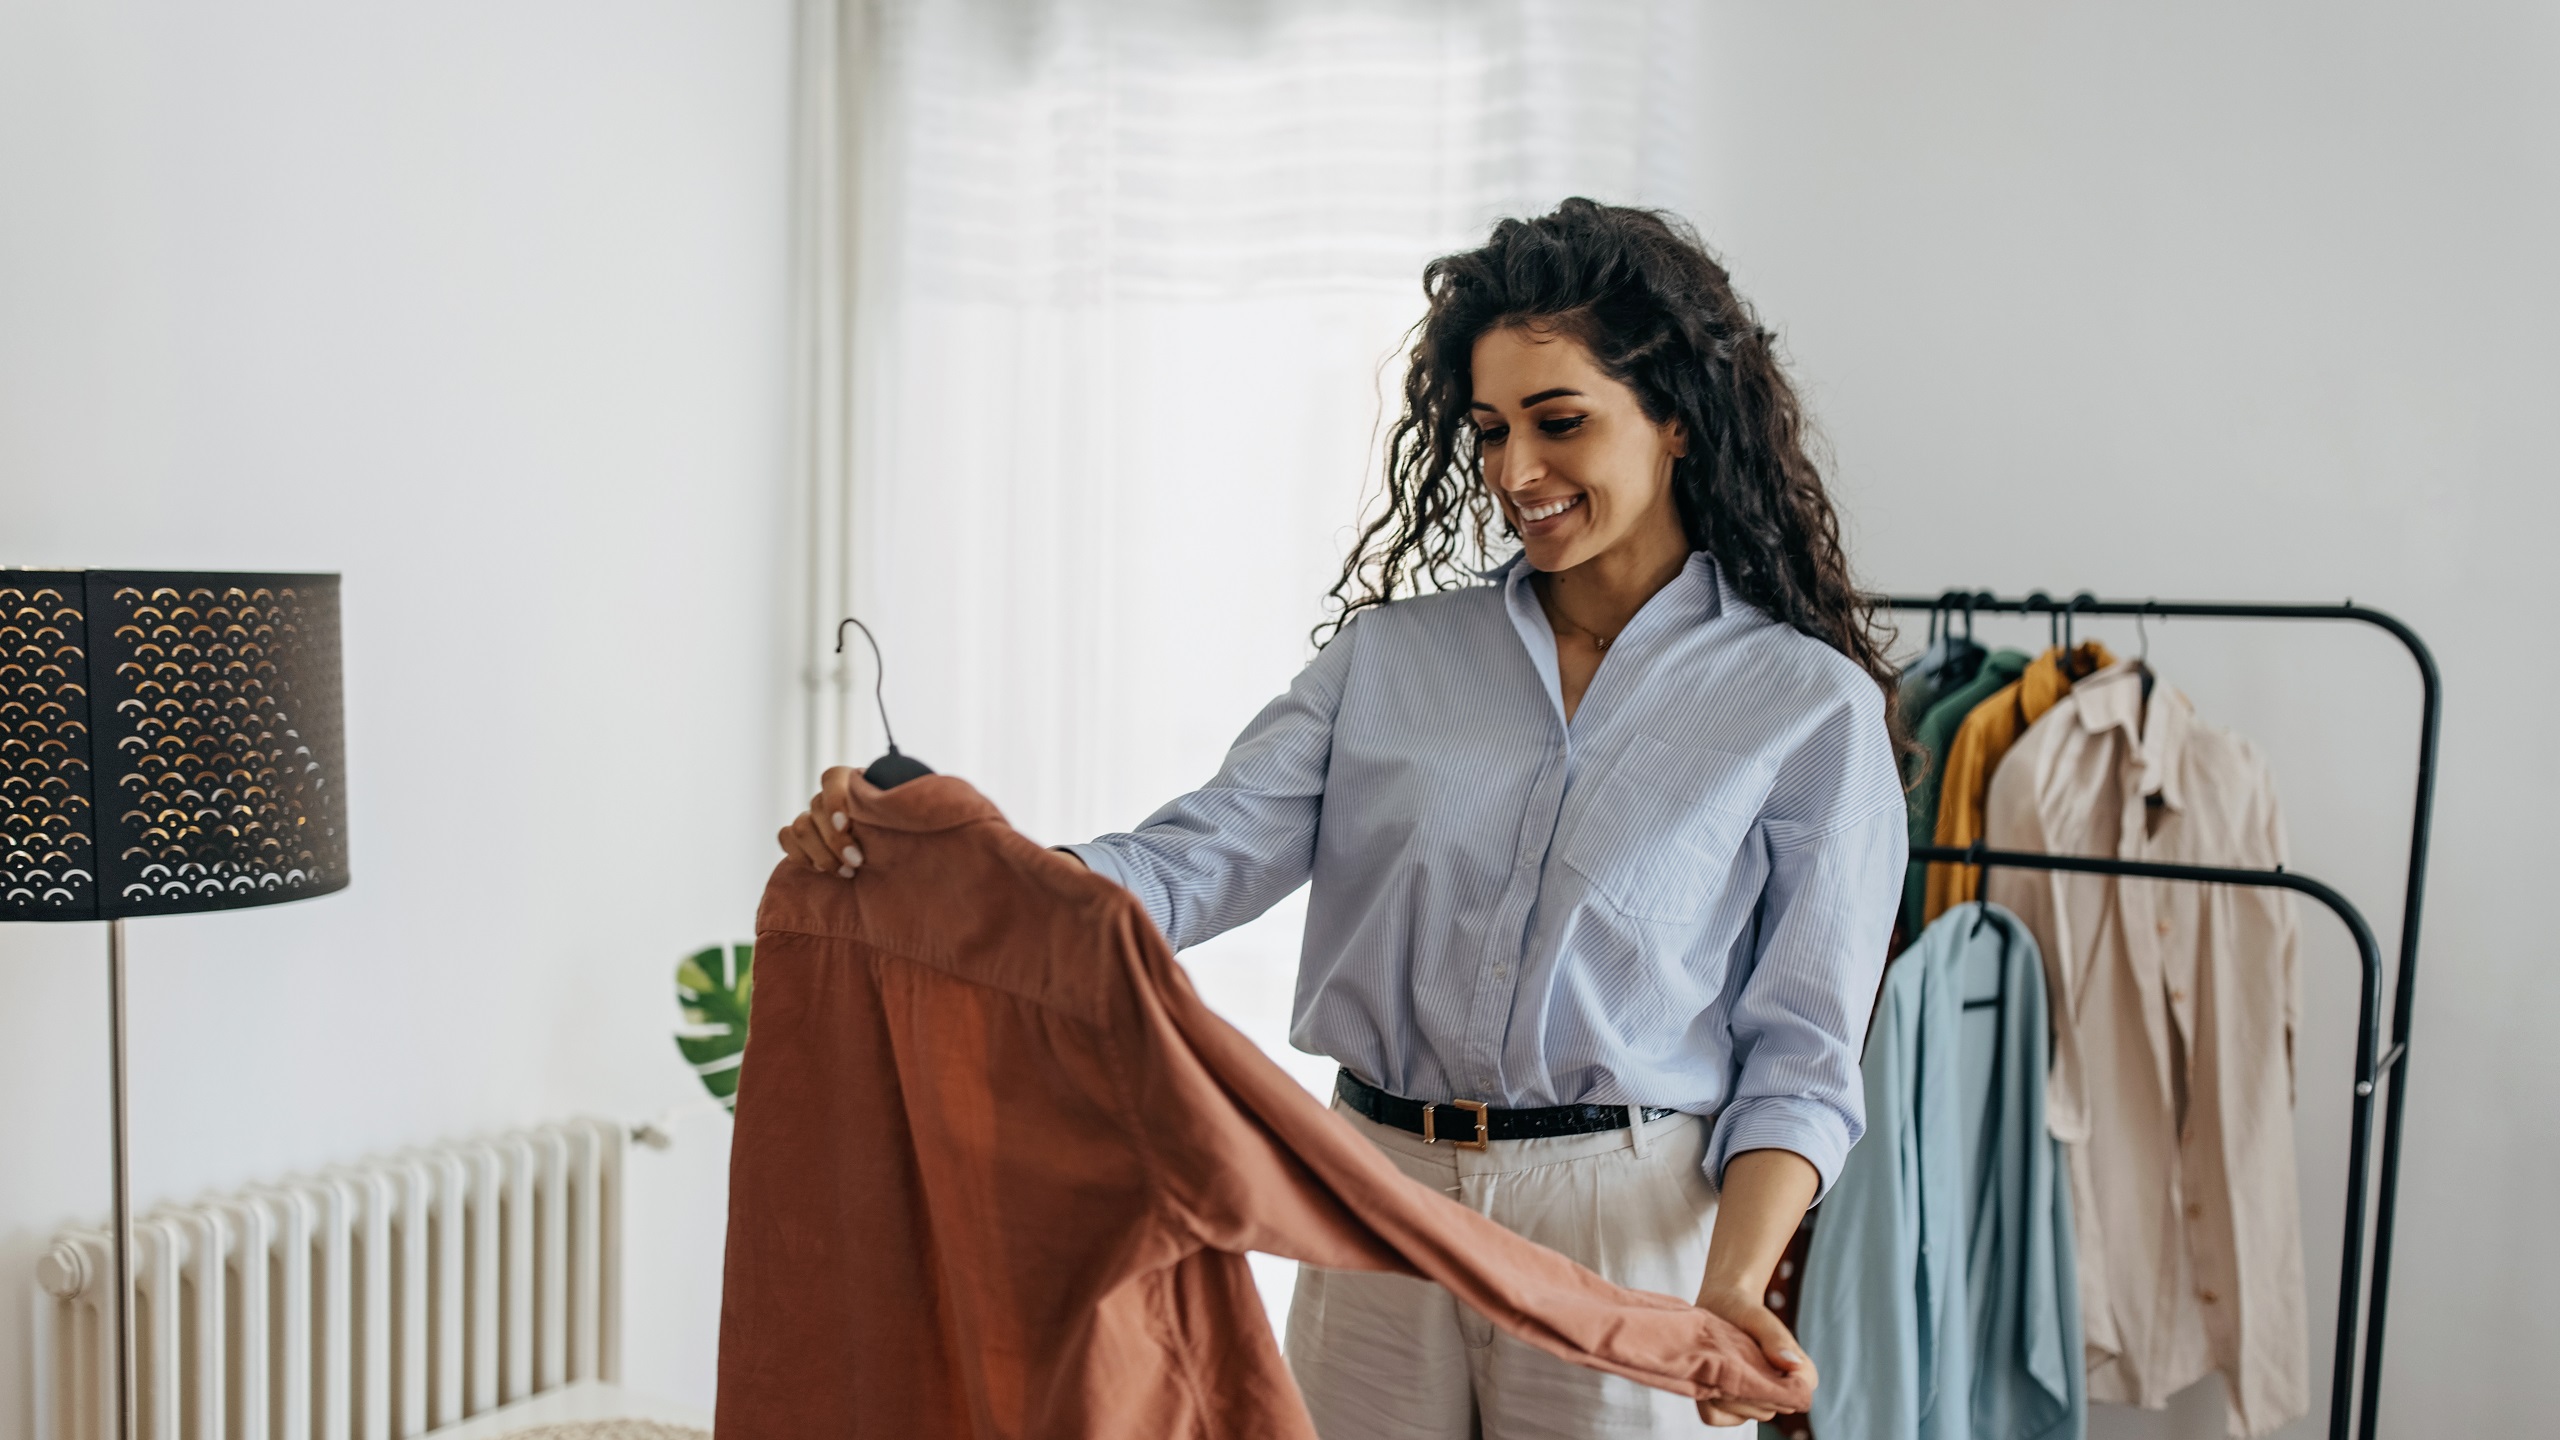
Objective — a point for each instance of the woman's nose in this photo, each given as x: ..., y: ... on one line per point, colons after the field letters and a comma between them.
x: 1522, y: 467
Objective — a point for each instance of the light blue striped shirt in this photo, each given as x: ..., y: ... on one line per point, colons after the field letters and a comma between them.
x: 1681, y: 898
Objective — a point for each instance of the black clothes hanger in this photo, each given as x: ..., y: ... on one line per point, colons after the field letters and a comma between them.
x: 1949, y: 660
x: 893, y: 769
x: 1981, y: 883
x: 1927, y: 660
x: 1998, y: 999
x: 1964, y: 661
x: 2142, y: 659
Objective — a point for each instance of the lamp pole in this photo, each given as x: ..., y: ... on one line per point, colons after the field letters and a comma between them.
x: 127, y: 1423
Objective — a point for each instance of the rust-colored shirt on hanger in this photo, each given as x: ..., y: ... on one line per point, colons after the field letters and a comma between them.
x: 996, y: 1169
x: 2173, y: 1013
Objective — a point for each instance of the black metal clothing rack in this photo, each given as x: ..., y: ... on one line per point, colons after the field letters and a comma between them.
x: 2352, y: 1407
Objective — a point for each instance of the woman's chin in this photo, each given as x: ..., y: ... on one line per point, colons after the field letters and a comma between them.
x: 1552, y: 553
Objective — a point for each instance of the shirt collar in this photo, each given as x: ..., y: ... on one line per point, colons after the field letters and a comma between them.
x: 1694, y: 596
x: 2155, y: 733
x: 1700, y: 583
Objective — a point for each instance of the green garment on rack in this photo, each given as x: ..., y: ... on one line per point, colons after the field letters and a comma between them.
x: 1936, y: 733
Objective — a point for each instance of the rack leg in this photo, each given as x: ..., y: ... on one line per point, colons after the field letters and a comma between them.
x: 127, y: 1423
x: 2385, y: 1205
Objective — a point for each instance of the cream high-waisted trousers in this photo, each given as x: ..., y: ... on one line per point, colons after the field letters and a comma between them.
x: 1388, y: 1357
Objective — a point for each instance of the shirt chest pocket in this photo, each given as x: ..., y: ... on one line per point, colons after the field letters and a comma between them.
x: 1658, y: 837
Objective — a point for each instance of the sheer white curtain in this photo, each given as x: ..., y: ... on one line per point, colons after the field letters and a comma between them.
x: 1102, y: 303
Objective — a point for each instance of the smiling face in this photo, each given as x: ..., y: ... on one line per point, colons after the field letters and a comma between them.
x: 1569, y: 453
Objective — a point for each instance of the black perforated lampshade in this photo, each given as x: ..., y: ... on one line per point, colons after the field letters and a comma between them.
x: 170, y: 741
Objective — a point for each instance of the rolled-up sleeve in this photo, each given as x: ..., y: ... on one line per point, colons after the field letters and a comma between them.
x: 1837, y: 847
x: 1233, y: 848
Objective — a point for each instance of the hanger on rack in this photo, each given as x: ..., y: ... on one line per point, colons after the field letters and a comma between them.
x: 1950, y: 660
x: 893, y: 769
x: 2142, y: 657
x: 2075, y: 663
x: 1998, y: 999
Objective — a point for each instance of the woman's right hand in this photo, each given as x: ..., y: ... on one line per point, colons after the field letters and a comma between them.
x: 823, y: 836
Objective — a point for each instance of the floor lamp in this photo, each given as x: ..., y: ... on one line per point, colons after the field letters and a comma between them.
x: 170, y: 742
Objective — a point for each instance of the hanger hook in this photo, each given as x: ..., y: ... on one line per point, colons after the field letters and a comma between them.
x: 2142, y: 628
x: 879, y: 675
x: 1981, y: 886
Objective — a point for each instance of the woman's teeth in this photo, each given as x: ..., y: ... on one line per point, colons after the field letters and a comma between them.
x: 1557, y: 507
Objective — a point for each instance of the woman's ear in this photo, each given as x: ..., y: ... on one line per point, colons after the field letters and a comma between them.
x: 1675, y: 433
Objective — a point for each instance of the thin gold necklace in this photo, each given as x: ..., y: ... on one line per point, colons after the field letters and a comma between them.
x: 1598, y: 640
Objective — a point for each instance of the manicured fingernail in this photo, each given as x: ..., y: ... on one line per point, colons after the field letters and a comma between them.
x: 845, y: 870
x: 1790, y: 1357
x: 852, y: 856
x: 839, y: 819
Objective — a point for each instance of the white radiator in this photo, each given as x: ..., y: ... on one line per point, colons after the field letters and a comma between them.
x: 368, y: 1303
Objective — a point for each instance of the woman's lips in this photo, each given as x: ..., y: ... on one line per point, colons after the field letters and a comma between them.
x: 1548, y: 516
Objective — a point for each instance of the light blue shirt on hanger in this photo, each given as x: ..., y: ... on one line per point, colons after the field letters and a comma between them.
x: 1682, y: 897
x: 1941, y: 1299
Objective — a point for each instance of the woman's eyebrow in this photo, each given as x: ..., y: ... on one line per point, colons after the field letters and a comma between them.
x: 1528, y: 400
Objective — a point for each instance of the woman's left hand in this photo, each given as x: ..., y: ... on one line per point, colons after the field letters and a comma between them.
x: 1765, y: 1195
x: 1752, y: 1315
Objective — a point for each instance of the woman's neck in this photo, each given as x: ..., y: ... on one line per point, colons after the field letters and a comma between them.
x: 1604, y: 592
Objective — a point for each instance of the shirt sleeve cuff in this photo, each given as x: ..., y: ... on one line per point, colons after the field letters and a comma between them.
x: 1809, y: 1128
x: 1102, y: 862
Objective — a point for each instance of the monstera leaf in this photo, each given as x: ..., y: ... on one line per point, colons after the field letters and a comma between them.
x: 714, y: 987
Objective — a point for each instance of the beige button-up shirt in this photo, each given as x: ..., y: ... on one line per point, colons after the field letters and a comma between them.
x: 2172, y: 1080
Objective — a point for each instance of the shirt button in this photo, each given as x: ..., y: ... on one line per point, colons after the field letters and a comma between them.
x: 2163, y: 926
x: 1501, y: 972
x: 2195, y: 1211
x: 2178, y: 995
x: 2206, y: 1296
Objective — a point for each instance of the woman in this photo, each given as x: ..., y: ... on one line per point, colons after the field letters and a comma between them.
x: 1604, y: 852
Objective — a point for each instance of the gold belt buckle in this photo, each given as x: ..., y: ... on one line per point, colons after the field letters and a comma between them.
x: 1477, y: 1108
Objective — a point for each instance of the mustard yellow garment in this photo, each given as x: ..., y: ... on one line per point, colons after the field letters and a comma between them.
x: 1983, y: 738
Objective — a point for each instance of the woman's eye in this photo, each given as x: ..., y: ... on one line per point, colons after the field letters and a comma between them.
x: 1492, y: 434
x: 1562, y: 424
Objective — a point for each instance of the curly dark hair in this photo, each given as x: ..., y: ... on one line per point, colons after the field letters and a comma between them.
x: 1659, y: 315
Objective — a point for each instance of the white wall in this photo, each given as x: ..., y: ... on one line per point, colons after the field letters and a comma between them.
x: 2252, y: 302
x: 480, y: 304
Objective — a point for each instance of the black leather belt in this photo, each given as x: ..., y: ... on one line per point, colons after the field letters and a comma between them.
x: 1470, y: 1124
